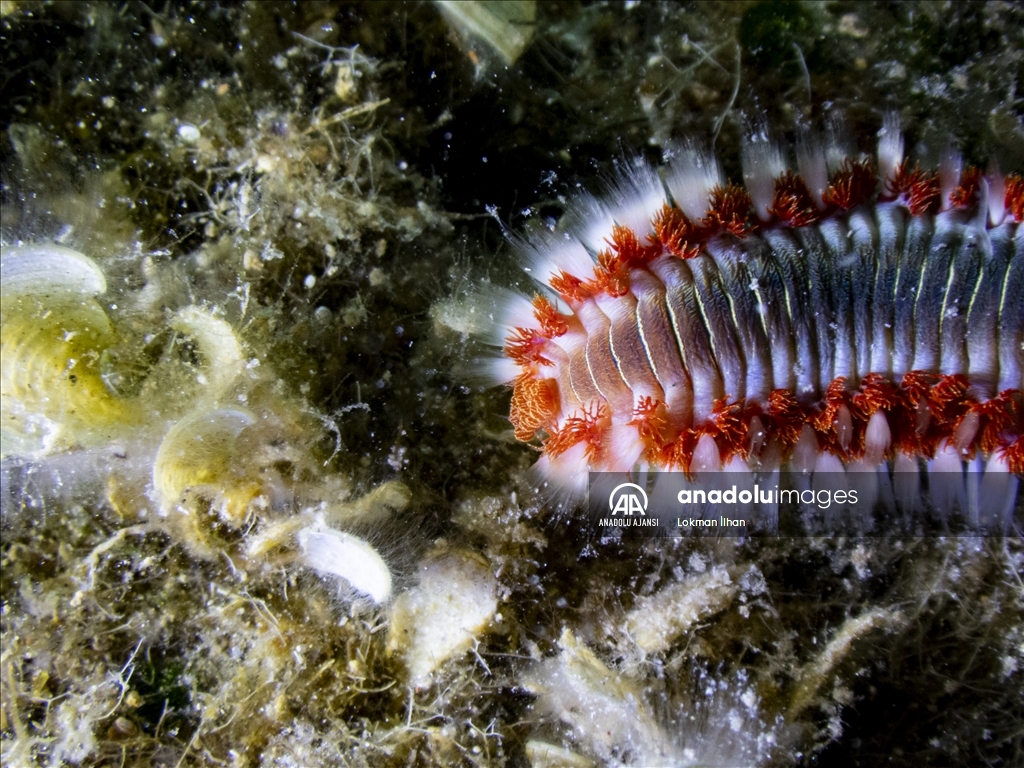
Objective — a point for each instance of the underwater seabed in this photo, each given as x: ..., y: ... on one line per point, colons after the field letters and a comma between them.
x: 254, y: 508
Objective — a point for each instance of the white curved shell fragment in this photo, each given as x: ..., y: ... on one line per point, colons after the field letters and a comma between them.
x: 340, y: 554
x: 218, y: 343
x: 45, y: 269
x: 441, y: 617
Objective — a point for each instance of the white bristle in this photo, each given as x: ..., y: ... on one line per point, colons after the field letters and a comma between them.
x: 632, y: 199
x: 876, y: 438
x: 946, y: 481
x: 865, y: 478
x: 996, y: 195
x: 736, y: 463
x: 829, y: 478
x: 622, y: 448
x: 565, y: 475
x: 514, y: 310
x: 828, y: 463
x: 546, y: 258
x: 496, y: 370
x: 706, y: 456
x: 805, y: 452
x: 844, y: 427
x: 907, y: 483
x: 975, y: 467
x: 950, y: 169
x: 590, y: 223
x: 810, y: 160
x: 691, y: 176
x: 837, y: 146
x: 890, y: 147
x: 763, y: 163
x: 635, y: 197
x: 998, y: 495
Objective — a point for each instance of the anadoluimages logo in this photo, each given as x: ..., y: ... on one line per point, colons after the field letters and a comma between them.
x: 629, y: 501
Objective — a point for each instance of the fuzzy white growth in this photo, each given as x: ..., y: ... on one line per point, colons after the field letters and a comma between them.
x: 489, y: 311
x: 605, y: 711
x: 890, y: 147
x: 442, y: 616
x: 692, y: 174
x: 609, y: 717
x: 818, y: 673
x: 657, y: 621
x: 763, y: 163
x: 333, y: 553
x: 47, y: 269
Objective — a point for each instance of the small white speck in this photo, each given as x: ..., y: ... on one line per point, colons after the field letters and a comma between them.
x: 188, y: 133
x: 309, y: 282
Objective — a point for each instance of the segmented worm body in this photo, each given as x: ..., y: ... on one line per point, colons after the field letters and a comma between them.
x: 851, y: 313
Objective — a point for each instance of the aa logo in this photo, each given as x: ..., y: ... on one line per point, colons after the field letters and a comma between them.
x: 628, y: 499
